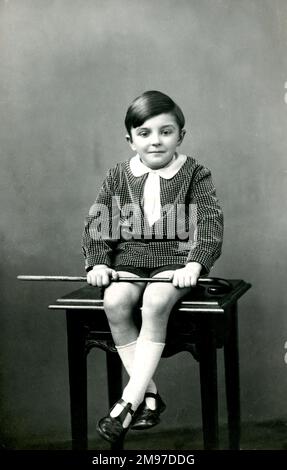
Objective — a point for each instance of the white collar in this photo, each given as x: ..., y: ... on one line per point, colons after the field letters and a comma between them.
x: 138, y: 168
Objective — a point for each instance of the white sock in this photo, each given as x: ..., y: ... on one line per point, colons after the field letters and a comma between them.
x: 147, y: 357
x: 127, y: 355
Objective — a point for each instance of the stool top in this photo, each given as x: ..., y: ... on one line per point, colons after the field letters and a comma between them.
x: 199, y: 299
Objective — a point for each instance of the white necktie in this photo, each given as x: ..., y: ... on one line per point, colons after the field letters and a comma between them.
x: 151, y: 195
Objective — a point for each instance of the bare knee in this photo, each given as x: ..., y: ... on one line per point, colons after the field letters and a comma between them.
x: 155, y: 315
x: 119, y: 308
x: 155, y: 305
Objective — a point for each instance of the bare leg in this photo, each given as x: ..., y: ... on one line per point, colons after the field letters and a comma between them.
x: 119, y: 301
x: 158, y: 301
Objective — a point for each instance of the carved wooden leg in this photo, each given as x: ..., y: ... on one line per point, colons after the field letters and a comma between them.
x: 115, y: 388
x: 114, y: 372
x: 208, y: 384
x: 78, y: 379
x: 231, y: 359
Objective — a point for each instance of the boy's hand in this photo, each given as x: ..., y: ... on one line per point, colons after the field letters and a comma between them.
x: 187, y: 276
x: 100, y: 275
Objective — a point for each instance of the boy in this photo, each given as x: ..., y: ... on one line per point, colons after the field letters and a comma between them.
x: 156, y: 215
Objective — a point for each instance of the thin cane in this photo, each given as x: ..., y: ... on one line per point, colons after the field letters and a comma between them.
x: 205, y: 281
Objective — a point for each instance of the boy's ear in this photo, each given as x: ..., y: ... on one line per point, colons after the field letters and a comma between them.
x: 130, y: 141
x: 181, y: 136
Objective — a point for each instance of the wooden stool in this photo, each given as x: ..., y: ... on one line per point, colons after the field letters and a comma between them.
x: 202, y: 322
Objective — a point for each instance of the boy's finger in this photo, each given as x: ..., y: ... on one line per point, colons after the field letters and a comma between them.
x: 91, y: 279
x: 193, y: 280
x: 105, y: 279
x: 115, y: 275
x: 181, y: 283
x: 187, y: 282
x: 175, y: 279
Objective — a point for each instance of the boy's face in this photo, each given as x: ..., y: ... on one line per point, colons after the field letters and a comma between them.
x: 156, y: 140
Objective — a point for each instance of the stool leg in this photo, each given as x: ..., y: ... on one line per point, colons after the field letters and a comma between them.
x: 232, y: 384
x: 208, y: 385
x: 115, y: 387
x: 78, y: 380
x: 114, y: 372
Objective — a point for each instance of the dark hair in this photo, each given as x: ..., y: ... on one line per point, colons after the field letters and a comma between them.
x: 150, y: 104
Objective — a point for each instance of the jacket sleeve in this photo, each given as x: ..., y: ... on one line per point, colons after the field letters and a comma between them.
x: 99, y: 240
x: 209, y: 230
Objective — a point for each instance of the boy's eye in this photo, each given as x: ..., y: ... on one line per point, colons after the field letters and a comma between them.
x: 143, y: 133
x: 166, y: 131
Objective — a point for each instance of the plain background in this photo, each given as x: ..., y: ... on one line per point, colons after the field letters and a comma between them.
x: 68, y: 71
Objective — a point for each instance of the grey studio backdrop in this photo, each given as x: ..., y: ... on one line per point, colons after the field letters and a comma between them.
x: 69, y: 69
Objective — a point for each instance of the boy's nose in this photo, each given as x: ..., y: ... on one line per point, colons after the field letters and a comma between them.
x: 155, y: 140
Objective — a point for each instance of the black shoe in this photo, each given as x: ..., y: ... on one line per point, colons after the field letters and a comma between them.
x: 146, y: 418
x: 112, y: 429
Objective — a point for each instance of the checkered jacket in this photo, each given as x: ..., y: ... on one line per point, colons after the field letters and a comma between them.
x: 116, y: 229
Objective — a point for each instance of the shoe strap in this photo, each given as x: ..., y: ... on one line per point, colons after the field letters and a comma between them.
x: 151, y: 395
x: 126, y: 406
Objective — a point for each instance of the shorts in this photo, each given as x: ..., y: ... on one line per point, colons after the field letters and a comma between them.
x: 147, y: 272
x: 142, y: 272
